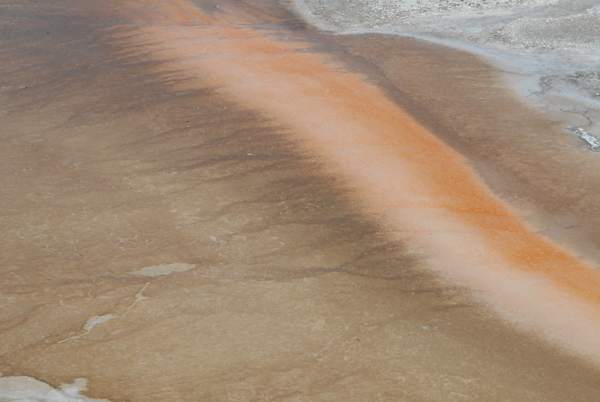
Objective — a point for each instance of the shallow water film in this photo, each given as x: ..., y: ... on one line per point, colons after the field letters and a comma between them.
x: 219, y: 201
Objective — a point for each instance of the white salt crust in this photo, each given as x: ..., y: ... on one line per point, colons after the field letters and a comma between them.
x: 27, y: 389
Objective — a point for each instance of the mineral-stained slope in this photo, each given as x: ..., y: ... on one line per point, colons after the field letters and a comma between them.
x: 177, y: 227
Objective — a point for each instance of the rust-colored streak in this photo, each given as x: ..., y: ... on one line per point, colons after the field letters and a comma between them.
x: 225, y: 212
x: 402, y: 170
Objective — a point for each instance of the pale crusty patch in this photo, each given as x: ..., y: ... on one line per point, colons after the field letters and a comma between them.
x: 163, y: 269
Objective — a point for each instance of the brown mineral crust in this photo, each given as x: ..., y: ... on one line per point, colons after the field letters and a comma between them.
x: 117, y: 158
x: 397, y: 163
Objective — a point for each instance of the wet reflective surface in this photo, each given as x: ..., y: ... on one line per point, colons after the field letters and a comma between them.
x: 167, y: 239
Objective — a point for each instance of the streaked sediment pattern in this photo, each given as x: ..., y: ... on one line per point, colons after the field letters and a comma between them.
x: 165, y: 238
